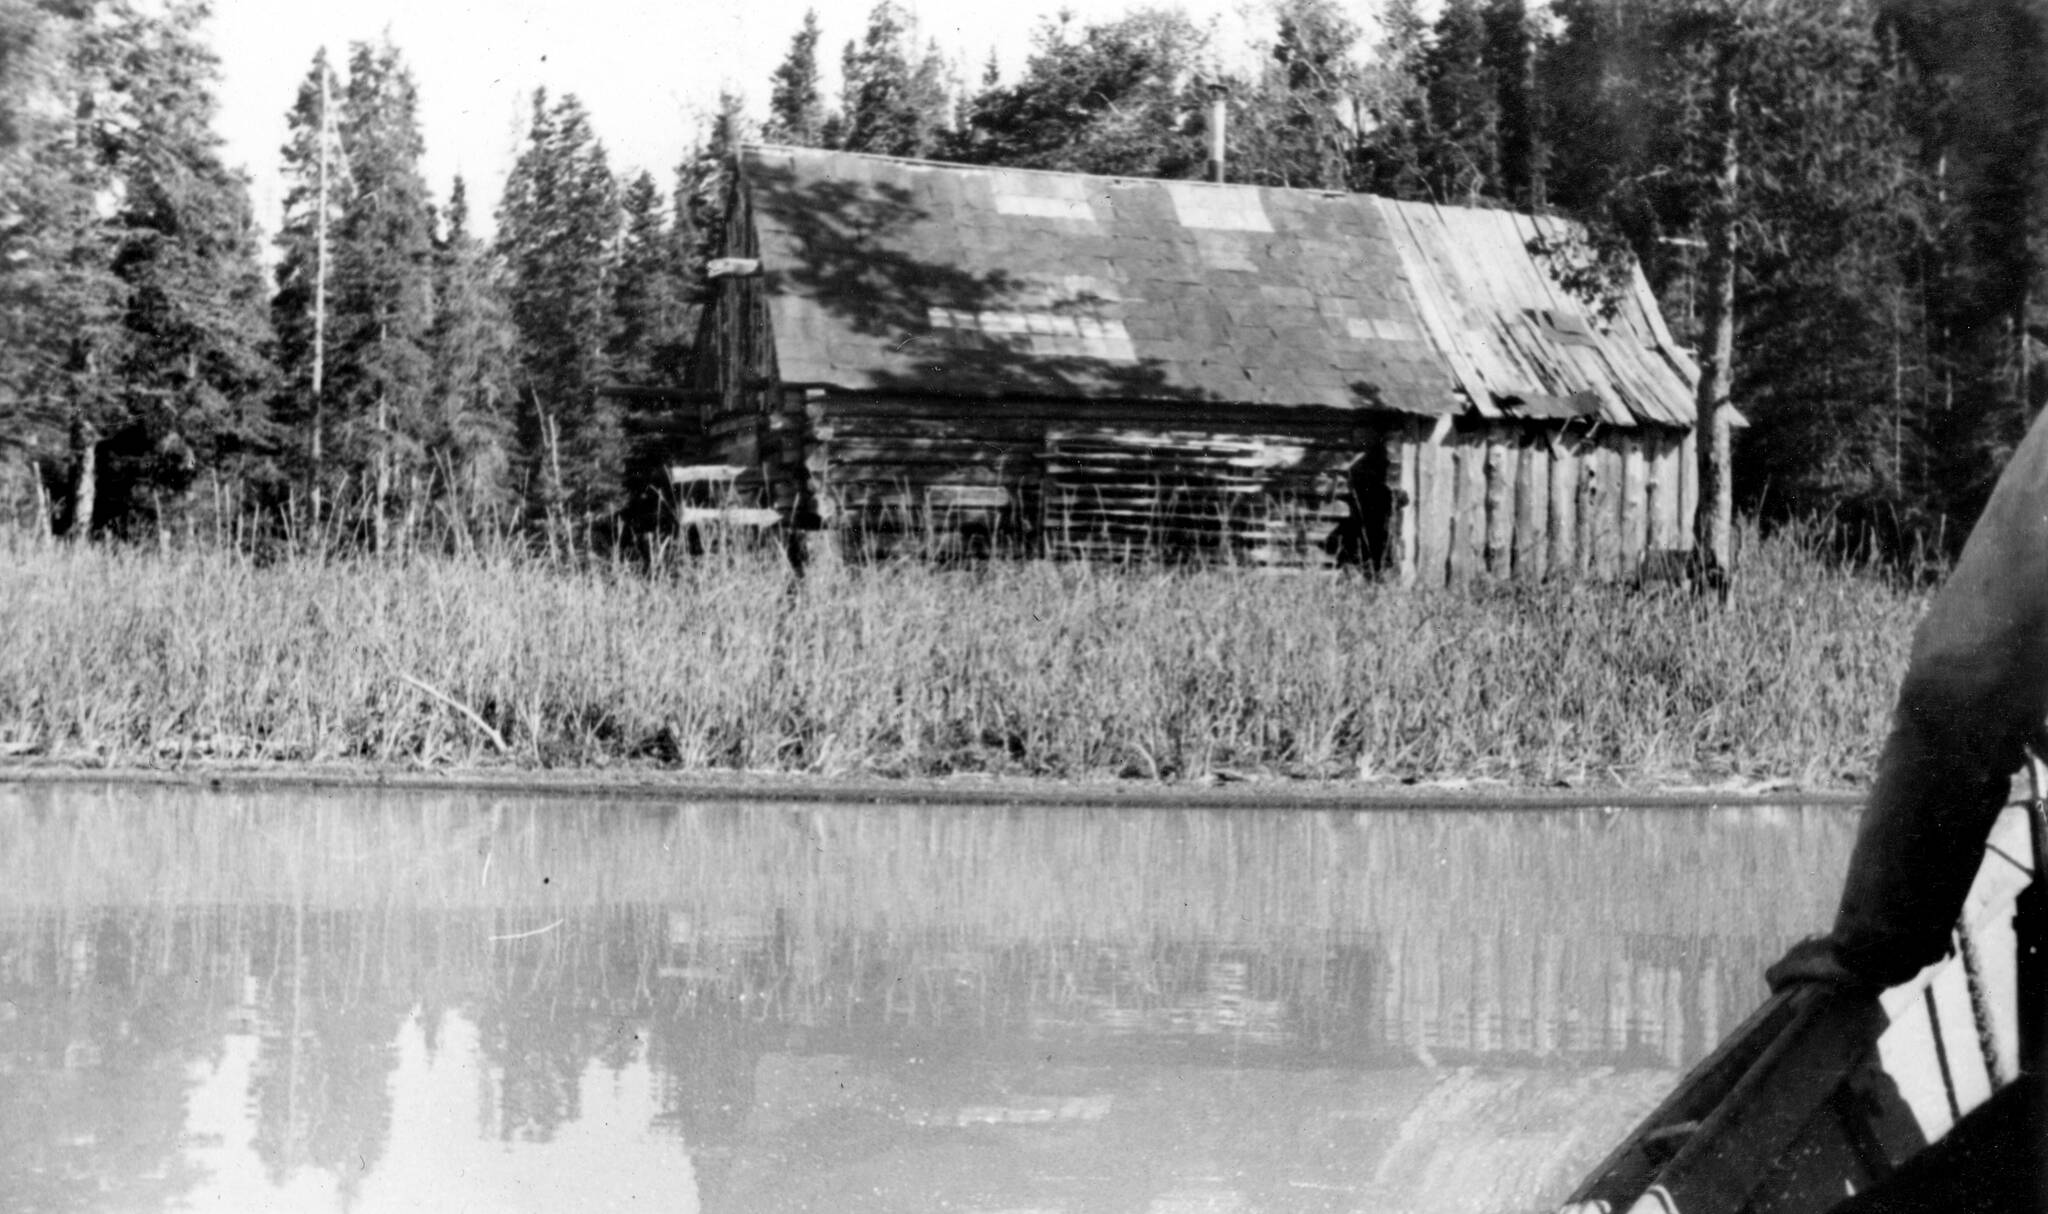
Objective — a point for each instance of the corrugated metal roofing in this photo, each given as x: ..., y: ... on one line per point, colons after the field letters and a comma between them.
x: 893, y: 274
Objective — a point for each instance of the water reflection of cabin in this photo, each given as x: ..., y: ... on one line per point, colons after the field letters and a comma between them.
x: 1094, y: 366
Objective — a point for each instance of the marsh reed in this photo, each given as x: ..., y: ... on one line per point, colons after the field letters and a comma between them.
x: 126, y: 656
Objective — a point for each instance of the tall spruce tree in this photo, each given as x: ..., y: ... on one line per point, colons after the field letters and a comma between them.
x: 1785, y: 184
x: 317, y: 185
x: 1296, y: 124
x: 195, y: 363
x: 132, y: 310
x: 1113, y: 98
x: 1461, y: 143
x: 895, y: 98
x: 647, y: 339
x: 702, y: 184
x: 1987, y: 131
x: 59, y: 299
x: 383, y: 289
x: 1389, y: 158
x: 558, y: 226
x: 796, y: 105
x: 470, y: 433
x: 1839, y: 375
x: 650, y: 337
x: 1510, y: 55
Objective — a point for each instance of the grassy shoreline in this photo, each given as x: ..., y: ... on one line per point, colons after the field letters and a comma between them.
x: 138, y: 659
x: 635, y: 783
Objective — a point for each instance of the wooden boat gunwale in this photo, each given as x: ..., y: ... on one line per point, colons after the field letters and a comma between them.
x: 1749, y: 1114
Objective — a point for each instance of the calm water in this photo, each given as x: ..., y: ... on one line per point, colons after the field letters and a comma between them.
x: 325, y: 1001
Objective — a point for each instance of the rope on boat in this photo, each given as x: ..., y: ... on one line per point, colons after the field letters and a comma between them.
x: 1996, y: 1064
x: 1948, y: 1075
x: 2001, y: 1069
x: 2033, y: 1032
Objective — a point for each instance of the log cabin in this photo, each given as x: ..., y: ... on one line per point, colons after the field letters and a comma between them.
x: 905, y: 355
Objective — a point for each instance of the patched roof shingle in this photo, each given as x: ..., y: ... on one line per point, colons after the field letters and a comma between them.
x: 891, y: 274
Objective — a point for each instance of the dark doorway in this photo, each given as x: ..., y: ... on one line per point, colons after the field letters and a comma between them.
x: 1364, y: 540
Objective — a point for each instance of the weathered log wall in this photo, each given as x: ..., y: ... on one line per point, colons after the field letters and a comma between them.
x: 1473, y: 500
x: 1099, y: 480
x: 1528, y: 501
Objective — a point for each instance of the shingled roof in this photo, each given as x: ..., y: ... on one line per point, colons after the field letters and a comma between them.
x: 887, y: 274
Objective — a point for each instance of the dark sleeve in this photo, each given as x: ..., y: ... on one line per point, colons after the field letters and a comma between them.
x: 1975, y: 692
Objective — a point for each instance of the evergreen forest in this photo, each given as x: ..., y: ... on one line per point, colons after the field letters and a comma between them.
x: 1855, y: 190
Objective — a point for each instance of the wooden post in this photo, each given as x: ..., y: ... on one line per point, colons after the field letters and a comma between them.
x: 1532, y: 503
x: 1468, y: 528
x: 1688, y: 489
x: 1607, y: 513
x: 1408, y: 449
x: 1662, y: 487
x: 1438, y: 472
x: 1635, y: 503
x: 1588, y: 506
x: 1564, y: 514
x: 1501, y: 467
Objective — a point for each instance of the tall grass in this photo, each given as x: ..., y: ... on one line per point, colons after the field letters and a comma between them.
x: 124, y: 656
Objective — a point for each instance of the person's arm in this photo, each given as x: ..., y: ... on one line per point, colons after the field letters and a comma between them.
x: 1974, y: 694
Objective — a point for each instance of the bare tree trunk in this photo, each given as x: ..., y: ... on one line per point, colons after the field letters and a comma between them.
x: 45, y: 518
x: 380, y: 529
x: 85, y: 449
x: 316, y: 462
x: 1714, y: 524
x: 557, y: 493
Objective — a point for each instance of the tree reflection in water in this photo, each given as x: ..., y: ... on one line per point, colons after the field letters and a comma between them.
x: 1062, y: 1009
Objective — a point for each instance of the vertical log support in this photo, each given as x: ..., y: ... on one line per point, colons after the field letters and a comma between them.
x: 1635, y: 503
x: 1713, y: 525
x: 1532, y: 501
x: 1501, y: 469
x: 1564, y: 513
x: 1408, y: 450
x: 1662, y: 456
x: 1468, y: 528
x: 1688, y: 489
x: 1586, y: 508
x: 1437, y: 472
x: 1607, y: 502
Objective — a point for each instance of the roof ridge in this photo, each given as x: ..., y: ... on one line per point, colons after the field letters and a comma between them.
x: 1316, y: 191
x: 927, y: 162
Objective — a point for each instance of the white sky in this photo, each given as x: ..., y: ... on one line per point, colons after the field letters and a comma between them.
x: 648, y: 70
